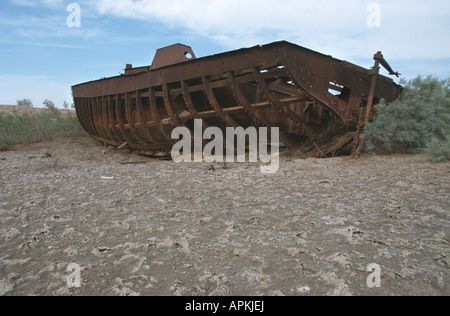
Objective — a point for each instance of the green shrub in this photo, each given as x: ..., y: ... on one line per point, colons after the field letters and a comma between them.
x: 439, y: 150
x: 51, y: 106
x: 19, y: 127
x: 419, y: 123
x: 25, y: 103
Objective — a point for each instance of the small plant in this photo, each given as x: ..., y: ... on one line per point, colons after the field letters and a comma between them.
x: 419, y: 123
x: 25, y: 103
x: 19, y: 127
x: 439, y: 150
x: 51, y: 106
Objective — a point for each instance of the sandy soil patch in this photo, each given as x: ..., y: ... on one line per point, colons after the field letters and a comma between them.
x: 141, y: 226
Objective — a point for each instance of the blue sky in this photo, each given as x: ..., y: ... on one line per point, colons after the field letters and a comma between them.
x: 41, y: 57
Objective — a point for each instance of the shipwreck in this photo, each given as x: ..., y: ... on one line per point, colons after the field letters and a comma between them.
x: 320, y: 104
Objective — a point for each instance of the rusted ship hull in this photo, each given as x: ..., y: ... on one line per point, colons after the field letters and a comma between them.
x: 314, y: 99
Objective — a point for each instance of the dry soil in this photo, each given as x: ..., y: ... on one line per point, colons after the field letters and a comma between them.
x: 142, y: 226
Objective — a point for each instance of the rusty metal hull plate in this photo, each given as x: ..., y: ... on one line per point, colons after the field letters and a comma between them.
x: 311, y: 97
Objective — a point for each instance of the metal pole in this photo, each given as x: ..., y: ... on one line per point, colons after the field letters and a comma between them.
x: 373, y: 85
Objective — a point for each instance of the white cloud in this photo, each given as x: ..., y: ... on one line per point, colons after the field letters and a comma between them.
x: 53, y: 3
x: 37, y: 3
x: 41, y: 28
x: 414, y: 28
x: 239, y: 16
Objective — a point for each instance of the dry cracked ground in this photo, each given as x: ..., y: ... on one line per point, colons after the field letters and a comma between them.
x: 141, y: 226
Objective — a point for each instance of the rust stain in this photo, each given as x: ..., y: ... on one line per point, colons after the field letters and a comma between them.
x: 321, y: 104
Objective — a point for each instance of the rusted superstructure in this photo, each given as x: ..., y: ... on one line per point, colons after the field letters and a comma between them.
x: 319, y: 103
